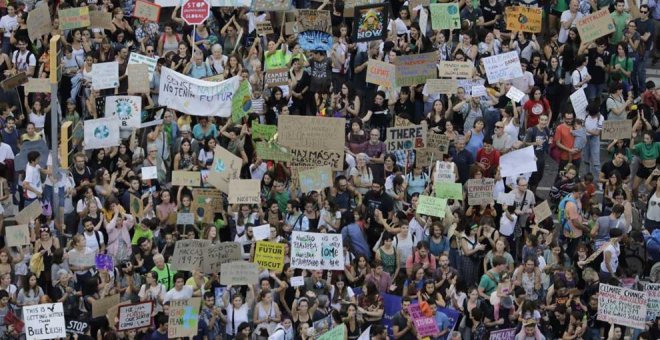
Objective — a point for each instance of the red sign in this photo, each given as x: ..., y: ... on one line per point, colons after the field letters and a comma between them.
x: 194, y: 12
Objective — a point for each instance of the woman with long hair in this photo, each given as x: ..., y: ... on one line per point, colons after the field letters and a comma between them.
x: 621, y: 66
x: 46, y: 245
x: 536, y: 106
x: 554, y: 81
x: 105, y: 184
x: 167, y: 209
x: 30, y: 293
x: 471, y: 255
x: 648, y: 152
x: 388, y: 255
x: 359, y: 271
x: 415, y: 282
x: 153, y: 291
x: 233, y: 67
x: 186, y: 158
x: 206, y: 154
x: 354, y: 325
x: 437, y: 117
x: 370, y: 304
x: 266, y: 314
x: 122, y: 173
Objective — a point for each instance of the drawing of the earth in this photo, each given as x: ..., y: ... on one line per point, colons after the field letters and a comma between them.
x: 101, y: 132
x: 124, y: 110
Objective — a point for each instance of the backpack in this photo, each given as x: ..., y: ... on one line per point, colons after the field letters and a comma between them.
x: 561, y: 214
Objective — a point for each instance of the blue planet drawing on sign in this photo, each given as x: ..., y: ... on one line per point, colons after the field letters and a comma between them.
x: 315, y: 40
x: 220, y: 165
x: 452, y: 9
x: 101, y: 132
x: 124, y: 110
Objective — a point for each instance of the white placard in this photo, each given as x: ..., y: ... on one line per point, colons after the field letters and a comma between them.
x: 261, y: 232
x: 518, y: 162
x: 101, y: 133
x: 105, y: 76
x: 185, y: 218
x: 128, y: 109
x: 506, y: 198
x: 134, y: 316
x: 297, y: 281
x: 317, y: 251
x: 622, y: 306
x: 444, y: 172
x: 136, y: 58
x: 479, y: 91
x: 653, y: 304
x: 579, y: 101
x: 502, y: 67
x: 44, y: 321
x: 423, y: 19
x: 515, y: 94
x: 149, y: 172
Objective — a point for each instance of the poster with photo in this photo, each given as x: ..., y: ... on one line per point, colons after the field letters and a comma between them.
x: 370, y: 22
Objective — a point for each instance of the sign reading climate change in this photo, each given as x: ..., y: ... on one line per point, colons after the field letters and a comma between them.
x: 197, y: 97
x: 317, y: 251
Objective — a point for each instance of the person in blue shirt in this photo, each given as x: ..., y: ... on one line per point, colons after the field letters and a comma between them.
x: 197, y: 68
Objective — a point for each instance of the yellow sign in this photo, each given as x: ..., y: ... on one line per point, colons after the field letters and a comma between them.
x: 523, y: 19
x: 269, y: 255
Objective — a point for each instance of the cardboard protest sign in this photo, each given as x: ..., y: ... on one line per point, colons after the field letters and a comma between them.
x: 449, y: 191
x: 189, y: 254
x: 653, y: 301
x: 100, y: 19
x: 45, y: 321
x: 370, y: 22
x: 415, y: 69
x: 226, y: 166
x: 37, y: 85
x: 146, y: 10
x: 502, y: 67
x: 380, y: 73
x: 14, y: 81
x: 17, y: 235
x: 442, y: 86
x: 39, y: 23
x: 101, y: 306
x: 275, y: 77
x: 518, y: 162
x: 217, y: 254
x: 515, y: 94
x: 314, y: 20
x: 261, y: 232
x: 138, y: 78
x: 424, y: 325
x: 137, y: 206
x: 75, y: 17
x: 480, y: 191
x: 271, y: 5
x: 469, y: 84
x: 400, y: 121
x: 503, y: 334
x: 406, y: 137
x: 263, y: 132
x: 183, y: 318
x: 523, y: 19
x: 269, y: 255
x: 445, y: 16
x: 432, y: 206
x: 323, y: 136
x: 437, y: 141
x: 622, y: 306
x: 82, y: 259
x: 135, y: 58
x: 103, y: 262
x: 315, y: 179
x: 479, y: 91
x: 29, y: 213
x: 579, y: 102
x: 77, y: 326
x: 186, y: 178
x: 621, y: 129
x: 444, y: 172
x: 238, y: 273
x: 137, y: 315
x: 105, y: 75
x: 317, y: 251
x: 245, y: 191
x: 264, y: 28
x: 542, y: 211
x: 595, y: 25
x: 128, y: 109
x: 206, y: 202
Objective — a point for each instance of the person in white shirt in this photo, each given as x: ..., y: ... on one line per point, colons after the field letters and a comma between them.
x: 593, y: 123
x: 23, y: 59
x: 580, y: 77
x: 94, y: 238
x: 569, y: 18
x: 32, y: 183
x: 8, y: 24
x: 180, y: 290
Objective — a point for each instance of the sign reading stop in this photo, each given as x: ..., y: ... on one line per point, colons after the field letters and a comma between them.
x: 194, y: 12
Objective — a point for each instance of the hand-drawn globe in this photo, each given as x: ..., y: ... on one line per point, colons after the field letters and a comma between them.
x: 124, y: 110
x: 247, y: 103
x: 452, y: 9
x: 101, y: 132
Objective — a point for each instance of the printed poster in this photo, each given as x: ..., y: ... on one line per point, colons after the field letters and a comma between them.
x: 370, y: 22
x: 101, y: 133
x: 445, y: 16
x: 315, y: 41
x: 269, y: 255
x: 128, y: 109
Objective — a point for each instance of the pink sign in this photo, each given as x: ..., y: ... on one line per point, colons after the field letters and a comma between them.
x: 425, y: 326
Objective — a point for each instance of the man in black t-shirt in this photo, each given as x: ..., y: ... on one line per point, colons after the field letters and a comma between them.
x: 539, y: 137
x: 376, y: 199
x: 597, y: 63
x: 402, y: 324
x: 619, y: 164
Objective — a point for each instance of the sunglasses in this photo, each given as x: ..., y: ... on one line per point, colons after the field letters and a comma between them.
x: 644, y: 12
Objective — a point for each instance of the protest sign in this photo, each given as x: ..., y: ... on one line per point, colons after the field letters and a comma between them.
x: 370, y: 22
x: 101, y: 19
x: 479, y: 91
x: 400, y: 121
x: 444, y: 172
x: 424, y: 157
x: 197, y: 97
x: 183, y: 318
x: 276, y: 77
x: 14, y: 81
x: 185, y: 218
x: 137, y: 206
x: 315, y: 41
x: 579, y: 102
x: 238, y: 273
x: 317, y: 251
x: 101, y: 133
x: 515, y: 94
x: 241, y: 102
x: 261, y: 232
x: 79, y: 259
x: 322, y: 326
x: 315, y: 179
x: 37, y: 85
x: 269, y: 255
x: 621, y: 129
x: 17, y: 235
x: 105, y: 75
x: 172, y: 3
x: 622, y: 306
x: 149, y: 172
x: 244, y: 191
x: 503, y: 334
x: 128, y: 109
x: 263, y: 132
x: 185, y: 178
x: 438, y: 142
x: 297, y: 281
x: 480, y: 191
x: 137, y: 315
x: 456, y: 69
x: 136, y: 58
x: 523, y: 19
x: 449, y: 191
x: 209, y: 196
x: 101, y: 306
x: 424, y: 325
x: 309, y: 158
x: 189, y: 254
x: 45, y: 321
x: 452, y: 314
x: 653, y: 301
x: 104, y: 262
x: 518, y: 162
x: 75, y: 17
x: 595, y: 25
x: 222, y: 3
x: 146, y: 10
x: 445, y: 16
x: 271, y: 5
x: 380, y: 73
x: 314, y: 20
x: 273, y: 152
x: 77, y: 327
x: 314, y: 133
x: 432, y: 206
x: 502, y: 67
x: 542, y: 211
x: 469, y: 84
x: 442, y: 86
x: 138, y: 78
x: 217, y: 254
x: 338, y: 332
x: 264, y: 28
x: 226, y: 166
x: 415, y: 69
x: 406, y: 137
x: 414, y: 3
x: 39, y: 22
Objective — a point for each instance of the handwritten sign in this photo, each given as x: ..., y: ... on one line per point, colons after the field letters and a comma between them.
x: 438, y: 142
x: 542, y: 211
x: 273, y: 152
x: 424, y: 157
x: 138, y: 78
x: 424, y: 325
x: 456, y: 69
x: 266, y: 5
x: 523, y: 19
x: 596, y: 25
x: 101, y: 306
x: 415, y: 69
x: 263, y: 132
x: 29, y: 213
x: 100, y: 19
x: 315, y: 179
x: 269, y: 255
x: 39, y: 23
x: 579, y: 102
x: 226, y: 167
x: 449, y: 191
x: 406, y: 138
x: 185, y: 218
x: 653, y: 304
x: 276, y: 76
x: 297, y: 281
x: 445, y: 16
x: 444, y: 172
x: 103, y: 262
x: 183, y: 318
x: 314, y: 20
x: 76, y: 17
x: 442, y: 86
x: 480, y: 191
x: 622, y: 306
x: 44, y: 321
x: 105, y: 75
x: 515, y: 94
x: 518, y: 162
x: 503, y: 334
x: 245, y: 191
x: 617, y: 129
x: 37, y: 85
x: 502, y: 67
x: 381, y: 73
x: 206, y: 202
x: 238, y: 273
x: 264, y: 28
x: 311, y: 132
x: 146, y: 11
x: 317, y: 251
x: 134, y: 316
x: 136, y: 58
x: 217, y: 254
x: 479, y: 91
x: 149, y: 172
x: 431, y: 206
x: 186, y: 178
x: 17, y: 235
x: 189, y: 254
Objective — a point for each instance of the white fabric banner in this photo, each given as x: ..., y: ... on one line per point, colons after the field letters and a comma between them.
x: 518, y: 162
x: 196, y: 97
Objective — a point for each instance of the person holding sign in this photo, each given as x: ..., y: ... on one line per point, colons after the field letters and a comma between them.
x: 237, y: 311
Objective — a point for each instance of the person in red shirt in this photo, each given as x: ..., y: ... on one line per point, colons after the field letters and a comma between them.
x: 535, y: 107
x: 565, y: 141
x: 488, y: 158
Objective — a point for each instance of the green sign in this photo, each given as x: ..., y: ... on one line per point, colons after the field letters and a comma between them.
x: 445, y: 16
x: 449, y: 191
x: 274, y: 152
x: 241, y: 103
x: 432, y: 206
x: 263, y: 132
x: 338, y: 332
